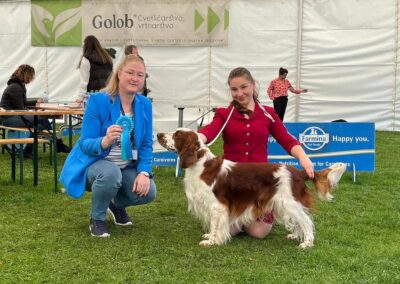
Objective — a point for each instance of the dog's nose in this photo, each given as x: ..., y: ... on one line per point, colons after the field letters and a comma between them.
x: 160, y: 135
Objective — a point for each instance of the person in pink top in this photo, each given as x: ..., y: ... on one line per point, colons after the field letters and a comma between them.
x: 278, y: 92
x: 246, y: 125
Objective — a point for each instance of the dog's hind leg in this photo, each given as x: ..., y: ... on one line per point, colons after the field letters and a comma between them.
x: 304, y: 227
x: 307, y: 227
x: 290, y: 212
x: 296, y: 234
x: 206, y: 236
x: 219, y: 227
x: 296, y: 220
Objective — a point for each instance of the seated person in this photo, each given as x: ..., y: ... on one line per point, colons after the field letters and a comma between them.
x: 14, y: 98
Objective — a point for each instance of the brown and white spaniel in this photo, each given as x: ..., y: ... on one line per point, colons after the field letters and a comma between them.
x: 224, y: 194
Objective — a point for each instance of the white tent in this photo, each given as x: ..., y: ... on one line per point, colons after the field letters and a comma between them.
x: 344, y: 51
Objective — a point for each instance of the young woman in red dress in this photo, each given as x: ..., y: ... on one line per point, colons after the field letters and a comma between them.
x: 245, y: 136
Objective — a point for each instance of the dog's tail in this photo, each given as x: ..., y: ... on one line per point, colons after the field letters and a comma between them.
x: 327, y: 179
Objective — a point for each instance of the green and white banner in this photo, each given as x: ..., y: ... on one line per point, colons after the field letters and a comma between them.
x: 120, y: 22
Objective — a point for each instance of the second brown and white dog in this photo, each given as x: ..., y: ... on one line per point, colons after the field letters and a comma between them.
x: 224, y: 194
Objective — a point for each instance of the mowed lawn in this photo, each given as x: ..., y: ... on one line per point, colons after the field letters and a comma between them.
x: 44, y: 236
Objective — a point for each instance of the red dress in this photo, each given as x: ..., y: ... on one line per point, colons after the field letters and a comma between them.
x: 246, y: 140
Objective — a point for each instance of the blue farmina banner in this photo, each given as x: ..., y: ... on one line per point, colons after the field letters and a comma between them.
x: 328, y: 143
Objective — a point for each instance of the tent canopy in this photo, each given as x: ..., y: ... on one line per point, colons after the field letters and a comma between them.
x: 343, y: 51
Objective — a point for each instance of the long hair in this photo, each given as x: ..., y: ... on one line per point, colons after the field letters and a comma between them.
x: 22, y: 73
x: 113, y: 81
x: 242, y: 72
x: 93, y: 51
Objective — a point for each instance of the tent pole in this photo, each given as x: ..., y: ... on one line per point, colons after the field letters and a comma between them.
x: 209, y: 81
x: 46, y: 82
x: 395, y: 63
x: 299, y: 48
x: 209, y: 74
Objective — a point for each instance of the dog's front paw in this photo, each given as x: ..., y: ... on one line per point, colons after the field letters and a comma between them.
x: 329, y: 197
x: 206, y: 236
x: 206, y: 243
x: 306, y: 244
x: 291, y: 237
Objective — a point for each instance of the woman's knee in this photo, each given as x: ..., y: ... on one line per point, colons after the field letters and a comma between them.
x: 105, y: 174
x: 259, y: 229
x: 111, y: 176
x: 133, y: 199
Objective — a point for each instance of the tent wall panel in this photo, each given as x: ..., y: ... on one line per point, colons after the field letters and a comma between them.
x: 344, y: 51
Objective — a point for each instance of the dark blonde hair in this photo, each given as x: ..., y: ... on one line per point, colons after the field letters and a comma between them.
x: 22, y: 73
x: 242, y: 72
x: 113, y: 81
x: 93, y: 51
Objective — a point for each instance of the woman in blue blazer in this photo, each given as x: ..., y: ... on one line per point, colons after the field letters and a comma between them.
x: 119, y: 175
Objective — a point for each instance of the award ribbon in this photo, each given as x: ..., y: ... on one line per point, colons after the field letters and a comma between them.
x: 127, y: 127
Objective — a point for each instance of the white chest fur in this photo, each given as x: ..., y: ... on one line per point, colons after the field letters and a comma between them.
x: 200, y: 196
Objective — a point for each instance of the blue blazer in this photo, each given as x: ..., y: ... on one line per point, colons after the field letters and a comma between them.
x: 101, y: 112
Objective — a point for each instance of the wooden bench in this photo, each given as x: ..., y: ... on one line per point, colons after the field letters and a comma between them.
x: 14, y: 150
x: 24, y: 129
x: 9, y: 141
x: 44, y: 133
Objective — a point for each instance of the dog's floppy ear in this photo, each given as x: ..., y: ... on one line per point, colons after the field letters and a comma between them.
x: 188, y: 158
x: 337, y: 170
x: 188, y: 153
x: 326, y: 179
x: 322, y: 185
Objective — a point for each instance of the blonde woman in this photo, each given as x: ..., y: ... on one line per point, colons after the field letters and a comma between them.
x: 96, y: 162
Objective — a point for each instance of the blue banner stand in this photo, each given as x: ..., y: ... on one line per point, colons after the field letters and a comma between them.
x: 165, y: 159
x: 327, y: 143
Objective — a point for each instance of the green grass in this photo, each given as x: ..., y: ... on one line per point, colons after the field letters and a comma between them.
x: 44, y: 236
